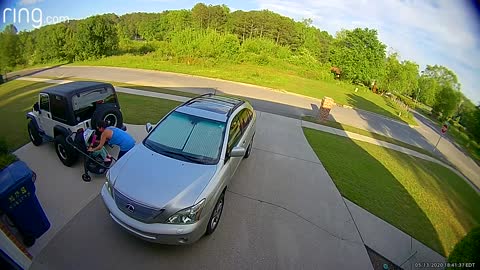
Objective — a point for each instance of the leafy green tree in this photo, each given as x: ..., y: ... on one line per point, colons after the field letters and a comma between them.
x: 446, y: 102
x: 214, y: 17
x: 264, y: 24
x: 400, y: 77
x: 391, y: 81
x: 427, y: 90
x: 443, y: 76
x: 360, y: 55
x: 9, y: 48
x: 474, y: 128
x: 177, y: 20
x: 468, y: 115
x: 314, y: 40
x: 128, y: 25
x: 410, y: 75
x: 96, y: 36
x: 26, y: 47
x: 151, y: 28
x: 51, y: 43
x: 432, y: 80
x: 200, y: 15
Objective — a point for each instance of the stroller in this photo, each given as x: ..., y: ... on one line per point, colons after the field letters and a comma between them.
x: 93, y: 162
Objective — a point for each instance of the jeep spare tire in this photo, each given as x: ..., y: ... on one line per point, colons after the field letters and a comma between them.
x: 108, y: 113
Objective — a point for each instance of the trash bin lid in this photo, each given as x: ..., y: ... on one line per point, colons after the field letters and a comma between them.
x: 13, y: 174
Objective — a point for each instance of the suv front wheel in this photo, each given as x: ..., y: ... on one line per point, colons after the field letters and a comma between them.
x: 33, y: 134
x: 65, y: 153
x: 216, y: 214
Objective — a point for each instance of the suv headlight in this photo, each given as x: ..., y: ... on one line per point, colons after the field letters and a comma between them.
x: 188, y: 215
x: 109, y: 185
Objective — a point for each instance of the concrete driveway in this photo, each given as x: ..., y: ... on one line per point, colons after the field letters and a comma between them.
x: 282, y: 211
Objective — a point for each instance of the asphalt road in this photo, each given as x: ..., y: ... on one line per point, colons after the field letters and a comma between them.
x: 282, y: 211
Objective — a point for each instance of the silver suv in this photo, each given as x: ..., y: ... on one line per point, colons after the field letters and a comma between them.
x: 170, y: 188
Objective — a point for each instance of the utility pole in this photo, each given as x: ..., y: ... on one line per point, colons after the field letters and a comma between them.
x: 436, y: 145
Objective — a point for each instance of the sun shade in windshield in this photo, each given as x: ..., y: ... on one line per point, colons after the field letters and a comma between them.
x: 190, y: 134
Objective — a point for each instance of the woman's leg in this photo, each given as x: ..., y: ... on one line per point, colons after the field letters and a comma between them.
x: 102, y: 152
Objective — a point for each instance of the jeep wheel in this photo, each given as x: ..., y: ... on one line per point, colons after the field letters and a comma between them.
x: 33, y: 134
x: 108, y: 113
x: 65, y: 153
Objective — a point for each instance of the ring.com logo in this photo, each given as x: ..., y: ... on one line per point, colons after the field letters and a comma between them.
x: 33, y: 16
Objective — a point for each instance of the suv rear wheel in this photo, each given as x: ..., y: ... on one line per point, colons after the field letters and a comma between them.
x: 65, y: 153
x: 33, y: 134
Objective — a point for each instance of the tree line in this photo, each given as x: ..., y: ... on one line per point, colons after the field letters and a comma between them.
x: 214, y: 33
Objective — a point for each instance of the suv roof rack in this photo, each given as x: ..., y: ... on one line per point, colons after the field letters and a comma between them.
x: 194, y: 98
x: 235, y: 107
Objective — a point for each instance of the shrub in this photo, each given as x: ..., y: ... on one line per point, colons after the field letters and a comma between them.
x: 6, y: 159
x: 137, y: 47
x: 467, y: 250
x: 303, y: 57
x: 164, y: 51
x: 407, y: 101
x: 3, y: 146
x: 264, y: 47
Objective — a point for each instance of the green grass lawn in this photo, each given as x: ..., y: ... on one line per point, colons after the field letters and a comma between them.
x: 289, y: 78
x: 18, y: 97
x: 367, y: 133
x: 423, y: 199
x: 141, y: 110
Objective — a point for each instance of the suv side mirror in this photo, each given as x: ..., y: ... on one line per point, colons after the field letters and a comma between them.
x: 36, y: 107
x: 148, y: 127
x: 238, y: 152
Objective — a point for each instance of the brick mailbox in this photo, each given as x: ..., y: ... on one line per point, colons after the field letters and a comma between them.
x: 325, y: 107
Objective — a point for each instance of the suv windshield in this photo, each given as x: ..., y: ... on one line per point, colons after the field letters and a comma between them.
x: 187, y: 137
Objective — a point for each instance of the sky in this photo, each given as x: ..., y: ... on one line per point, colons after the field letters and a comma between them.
x: 443, y: 32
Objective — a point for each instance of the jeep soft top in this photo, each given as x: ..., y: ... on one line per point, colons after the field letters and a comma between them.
x: 71, y: 89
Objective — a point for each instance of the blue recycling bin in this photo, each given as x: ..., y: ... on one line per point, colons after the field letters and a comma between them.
x: 19, y: 202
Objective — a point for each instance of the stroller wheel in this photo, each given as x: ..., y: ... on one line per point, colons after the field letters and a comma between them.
x: 86, y: 177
